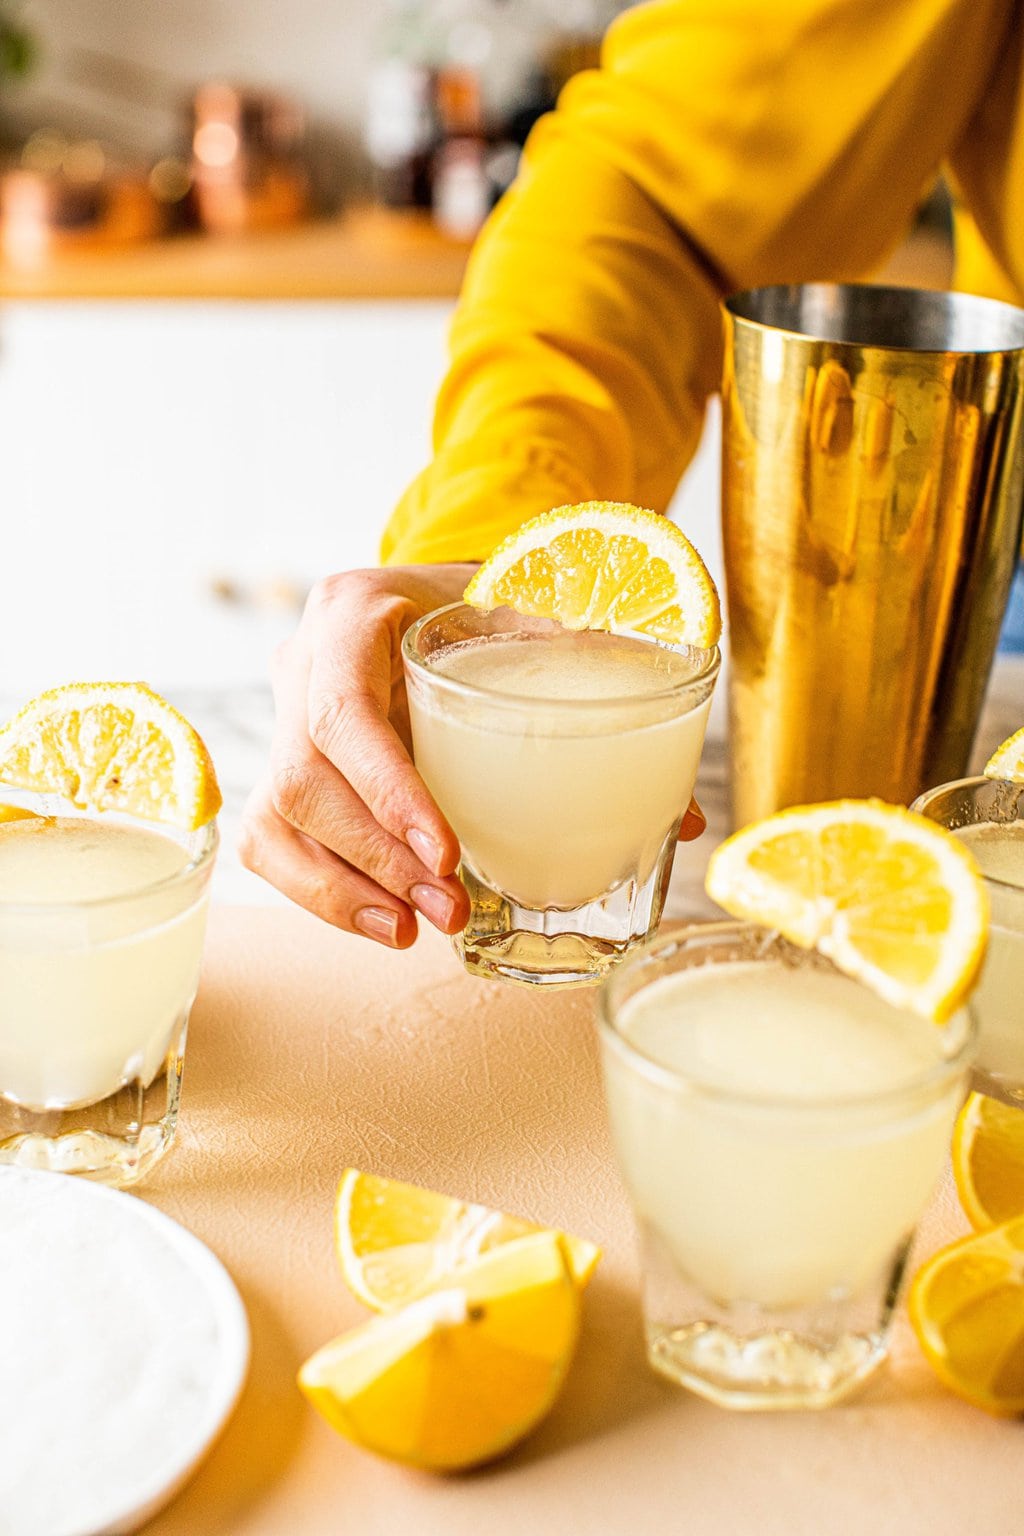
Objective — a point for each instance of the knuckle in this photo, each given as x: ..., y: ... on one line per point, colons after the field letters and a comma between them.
x: 331, y: 896
x: 293, y: 791
x: 387, y: 861
x: 392, y: 804
x: 368, y: 594
x: 346, y: 587
x: 322, y: 896
x: 334, y: 721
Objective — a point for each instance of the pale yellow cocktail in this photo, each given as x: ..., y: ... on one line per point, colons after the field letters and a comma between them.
x: 564, y: 761
x: 780, y: 1129
x: 984, y: 814
x: 999, y: 999
x: 101, y: 932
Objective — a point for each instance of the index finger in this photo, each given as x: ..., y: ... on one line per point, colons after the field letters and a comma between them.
x: 353, y: 662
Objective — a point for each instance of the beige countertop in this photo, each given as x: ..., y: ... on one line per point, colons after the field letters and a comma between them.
x: 311, y: 1050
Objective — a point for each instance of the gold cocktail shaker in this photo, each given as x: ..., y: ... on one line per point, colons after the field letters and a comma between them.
x: 873, y: 495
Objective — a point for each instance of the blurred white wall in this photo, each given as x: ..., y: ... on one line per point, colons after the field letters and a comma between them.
x: 175, y: 475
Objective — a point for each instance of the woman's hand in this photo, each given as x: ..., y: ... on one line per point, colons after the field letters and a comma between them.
x: 344, y: 824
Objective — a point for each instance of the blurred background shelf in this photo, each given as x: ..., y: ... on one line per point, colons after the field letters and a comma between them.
x: 363, y: 254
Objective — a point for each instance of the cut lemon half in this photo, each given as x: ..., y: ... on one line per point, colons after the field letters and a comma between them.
x: 395, y: 1240
x: 111, y: 747
x: 988, y: 1161
x: 891, y: 898
x: 457, y: 1377
x: 1007, y: 761
x: 967, y: 1308
x: 603, y: 565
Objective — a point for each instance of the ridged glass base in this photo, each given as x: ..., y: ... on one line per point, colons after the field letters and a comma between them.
x: 553, y: 947
x: 116, y: 1141
x: 741, y: 1354
x: 776, y: 1369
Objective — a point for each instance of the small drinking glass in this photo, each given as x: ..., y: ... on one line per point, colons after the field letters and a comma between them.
x: 988, y: 817
x: 95, y: 997
x: 779, y: 1131
x: 565, y: 762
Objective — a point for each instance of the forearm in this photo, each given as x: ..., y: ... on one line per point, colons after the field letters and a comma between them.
x: 712, y: 151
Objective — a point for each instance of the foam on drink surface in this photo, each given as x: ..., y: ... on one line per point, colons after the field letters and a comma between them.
x: 808, y: 1129
x: 576, y: 665
x: 765, y: 1031
x: 998, y: 848
x: 61, y: 859
x: 565, y: 769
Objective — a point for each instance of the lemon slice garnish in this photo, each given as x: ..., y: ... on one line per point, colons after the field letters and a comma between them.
x: 462, y: 1374
x: 1007, y: 761
x: 111, y: 747
x: 395, y: 1240
x: 604, y: 565
x: 891, y: 898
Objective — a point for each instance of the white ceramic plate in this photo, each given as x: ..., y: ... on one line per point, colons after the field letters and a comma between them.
x: 123, y: 1348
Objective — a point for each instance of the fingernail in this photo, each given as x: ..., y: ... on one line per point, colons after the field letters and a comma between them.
x: 436, y: 905
x: 377, y: 923
x: 425, y: 849
x: 697, y: 814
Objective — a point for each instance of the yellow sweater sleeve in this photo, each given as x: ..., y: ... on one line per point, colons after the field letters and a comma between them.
x: 721, y: 145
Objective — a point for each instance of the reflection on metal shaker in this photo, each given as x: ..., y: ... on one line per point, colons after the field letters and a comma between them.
x: 873, y: 493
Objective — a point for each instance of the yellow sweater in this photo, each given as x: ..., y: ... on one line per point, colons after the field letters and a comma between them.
x: 723, y: 144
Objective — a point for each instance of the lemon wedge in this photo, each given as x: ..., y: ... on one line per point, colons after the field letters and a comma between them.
x: 460, y: 1375
x: 395, y: 1240
x: 111, y: 747
x: 603, y: 565
x: 891, y: 898
x: 17, y: 813
x: 966, y: 1306
x: 988, y: 1161
x: 1007, y: 761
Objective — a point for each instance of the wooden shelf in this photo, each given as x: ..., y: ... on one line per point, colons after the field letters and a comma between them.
x: 369, y: 254
x: 364, y: 254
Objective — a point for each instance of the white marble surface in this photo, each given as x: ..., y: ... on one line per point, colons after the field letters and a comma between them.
x: 236, y: 723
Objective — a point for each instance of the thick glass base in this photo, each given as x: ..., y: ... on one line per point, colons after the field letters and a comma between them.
x: 557, y: 947
x: 743, y: 1355
x: 116, y: 1141
x: 776, y: 1369
x: 564, y: 960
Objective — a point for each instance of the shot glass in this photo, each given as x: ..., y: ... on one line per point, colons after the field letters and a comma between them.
x: 775, y: 1195
x: 564, y: 762
x: 95, y: 997
x: 988, y: 815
